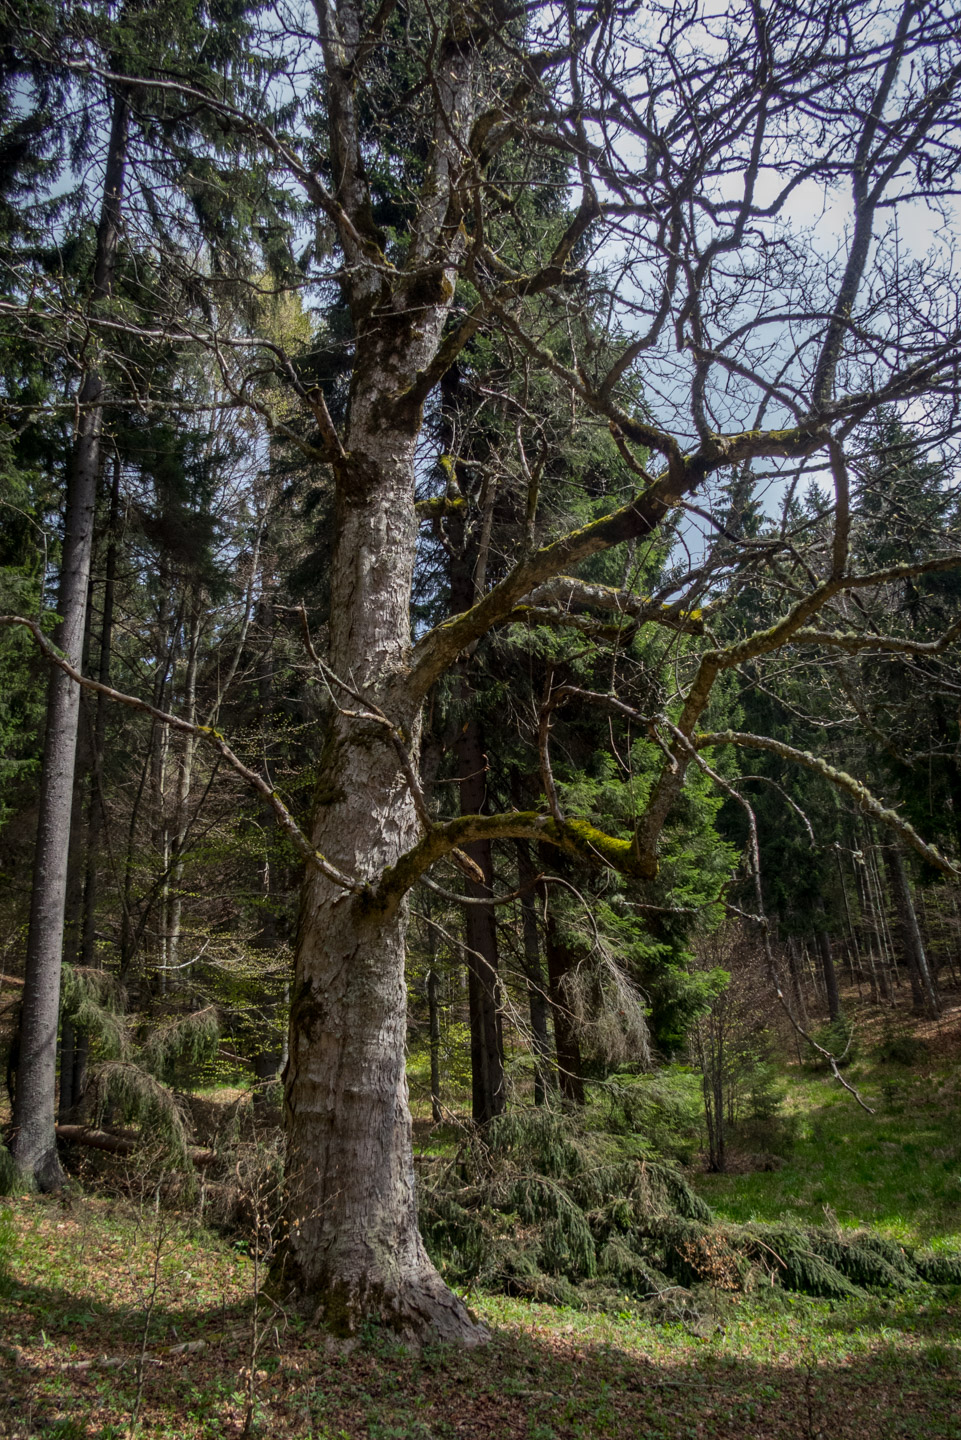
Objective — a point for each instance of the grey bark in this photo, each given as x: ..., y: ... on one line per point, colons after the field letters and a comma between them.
x: 34, y: 1141
x: 923, y: 992
x: 355, y: 1250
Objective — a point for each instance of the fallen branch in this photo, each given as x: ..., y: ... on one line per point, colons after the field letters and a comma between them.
x: 122, y: 1144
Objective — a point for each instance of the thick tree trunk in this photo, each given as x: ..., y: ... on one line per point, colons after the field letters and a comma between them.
x: 355, y: 1252
x: 34, y: 1141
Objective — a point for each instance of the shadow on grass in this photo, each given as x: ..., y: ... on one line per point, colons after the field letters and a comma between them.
x: 27, y: 1309
x: 789, y: 1371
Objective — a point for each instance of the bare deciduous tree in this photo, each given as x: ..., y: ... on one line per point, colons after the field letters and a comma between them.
x: 737, y: 176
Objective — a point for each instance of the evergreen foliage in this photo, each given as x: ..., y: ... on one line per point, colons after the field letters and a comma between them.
x: 122, y: 1090
x: 542, y: 1208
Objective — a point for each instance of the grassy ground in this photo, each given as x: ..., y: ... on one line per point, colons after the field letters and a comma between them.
x: 118, y: 1319
x: 98, y: 1293
x: 898, y: 1170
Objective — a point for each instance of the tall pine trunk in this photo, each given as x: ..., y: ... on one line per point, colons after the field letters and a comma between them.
x: 923, y: 993
x: 34, y: 1141
x: 488, y: 1094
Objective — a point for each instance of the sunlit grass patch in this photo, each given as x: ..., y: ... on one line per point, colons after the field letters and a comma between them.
x: 898, y: 1170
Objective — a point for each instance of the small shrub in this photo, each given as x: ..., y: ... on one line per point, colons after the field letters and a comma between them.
x: 775, y: 1136
x: 765, y: 1091
x: 900, y: 1047
x: 839, y: 1039
x: 662, y: 1110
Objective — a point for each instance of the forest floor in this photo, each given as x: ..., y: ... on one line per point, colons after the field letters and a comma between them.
x: 897, y: 1170
x: 119, y: 1319
x: 117, y: 1323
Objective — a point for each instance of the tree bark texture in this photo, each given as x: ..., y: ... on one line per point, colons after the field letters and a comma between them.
x: 355, y: 1251
x: 923, y: 993
x: 34, y: 1140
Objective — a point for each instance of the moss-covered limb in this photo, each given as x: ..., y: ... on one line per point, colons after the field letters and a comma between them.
x: 439, y: 506
x: 935, y: 565
x: 576, y: 837
x: 615, y: 632
x: 438, y: 650
x: 854, y: 641
x: 792, y: 626
x: 568, y: 591
x: 685, y: 472
x: 205, y: 733
x: 859, y: 793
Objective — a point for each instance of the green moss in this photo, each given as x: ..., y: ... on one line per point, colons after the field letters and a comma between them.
x: 577, y: 836
x: 595, y: 844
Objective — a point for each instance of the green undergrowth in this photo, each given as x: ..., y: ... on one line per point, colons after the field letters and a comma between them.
x: 544, y: 1209
x: 116, y: 1308
x: 897, y: 1170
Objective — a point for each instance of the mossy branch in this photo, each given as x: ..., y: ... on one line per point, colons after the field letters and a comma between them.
x: 858, y: 792
x: 576, y: 837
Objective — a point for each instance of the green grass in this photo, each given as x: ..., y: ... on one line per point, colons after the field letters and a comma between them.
x: 77, y: 1271
x: 771, y: 1365
x: 898, y: 1170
